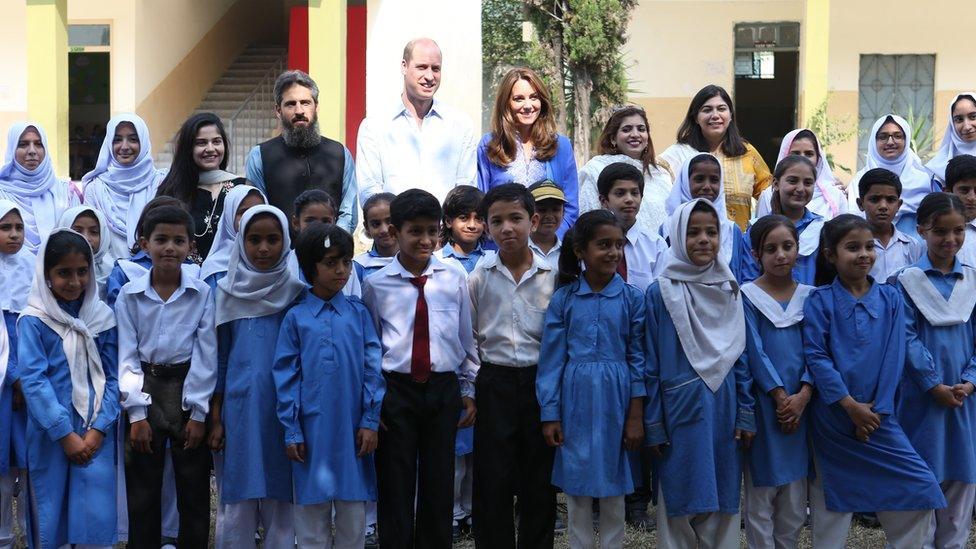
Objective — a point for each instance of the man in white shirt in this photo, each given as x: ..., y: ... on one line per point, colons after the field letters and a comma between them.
x: 420, y: 142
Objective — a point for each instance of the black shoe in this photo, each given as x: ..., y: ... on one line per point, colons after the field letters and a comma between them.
x: 371, y: 540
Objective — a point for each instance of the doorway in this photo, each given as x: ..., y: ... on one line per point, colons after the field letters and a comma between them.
x: 89, y: 94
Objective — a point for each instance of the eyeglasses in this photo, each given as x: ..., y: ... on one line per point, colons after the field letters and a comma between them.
x: 884, y: 137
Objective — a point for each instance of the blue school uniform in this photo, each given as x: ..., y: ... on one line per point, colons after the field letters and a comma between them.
x: 13, y: 423
x: 805, y: 269
x: 329, y: 385
x: 775, y: 359
x: 856, y: 346
x: 944, y: 437
x: 701, y: 470
x: 118, y: 277
x: 369, y: 262
x: 254, y: 452
x: 69, y: 503
x: 591, y: 364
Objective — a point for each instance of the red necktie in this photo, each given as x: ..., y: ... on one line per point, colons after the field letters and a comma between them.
x: 420, y: 356
x: 622, y: 266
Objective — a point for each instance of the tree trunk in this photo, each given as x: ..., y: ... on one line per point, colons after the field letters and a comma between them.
x: 582, y: 89
x: 559, y: 63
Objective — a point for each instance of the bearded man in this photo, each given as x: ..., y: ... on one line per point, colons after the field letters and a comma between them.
x: 301, y: 158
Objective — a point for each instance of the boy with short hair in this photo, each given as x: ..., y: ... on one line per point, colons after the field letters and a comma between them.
x: 376, y: 225
x: 510, y: 293
x: 621, y: 188
x: 430, y: 364
x: 961, y: 181
x: 550, y: 204
x: 167, y: 375
x: 880, y: 197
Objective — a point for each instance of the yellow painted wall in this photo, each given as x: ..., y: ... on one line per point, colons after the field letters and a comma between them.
x: 47, y: 75
x: 327, y: 63
x: 13, y: 58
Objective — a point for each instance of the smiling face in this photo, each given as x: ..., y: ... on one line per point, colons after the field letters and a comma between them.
x: 525, y: 103
x: 466, y: 229
x: 208, y: 148
x: 944, y: 235
x: 509, y: 225
x: 624, y: 201
x: 964, y: 119
x: 705, y: 180
x: 11, y: 232
x: 795, y: 189
x: 30, y: 150
x: 69, y: 277
x: 378, y: 225
x: 125, y: 144
x: 87, y: 225
x: 264, y: 242
x: 890, y: 140
x: 713, y: 118
x: 551, y: 212
x: 632, y: 136
x: 778, y: 252
x: 854, y: 255
x: 702, y: 238
x: 417, y: 239
x: 167, y: 246
x: 422, y: 72
x: 602, y: 253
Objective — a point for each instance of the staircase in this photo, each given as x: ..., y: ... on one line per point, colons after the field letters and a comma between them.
x: 243, y: 98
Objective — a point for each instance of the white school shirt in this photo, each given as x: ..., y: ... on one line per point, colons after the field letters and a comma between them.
x: 551, y: 257
x: 178, y: 330
x: 902, y: 251
x: 508, y: 316
x: 967, y: 254
x: 391, y: 298
x: 393, y: 154
x: 645, y: 253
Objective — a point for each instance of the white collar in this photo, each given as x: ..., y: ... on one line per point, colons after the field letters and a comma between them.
x: 935, y: 308
x: 772, y: 310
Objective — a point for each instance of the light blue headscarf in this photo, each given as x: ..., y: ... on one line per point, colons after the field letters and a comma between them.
x: 31, y: 190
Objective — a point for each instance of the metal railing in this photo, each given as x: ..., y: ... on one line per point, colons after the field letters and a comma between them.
x: 254, y: 121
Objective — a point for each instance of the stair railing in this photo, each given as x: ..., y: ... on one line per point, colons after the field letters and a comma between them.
x: 254, y: 120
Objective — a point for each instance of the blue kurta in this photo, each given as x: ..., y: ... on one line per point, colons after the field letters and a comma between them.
x: 117, y: 278
x: 856, y: 346
x: 13, y: 423
x: 255, y: 464
x: 590, y: 365
x: 775, y: 358
x: 70, y: 503
x: 329, y: 385
x: 805, y: 269
x: 944, y: 437
x: 701, y: 470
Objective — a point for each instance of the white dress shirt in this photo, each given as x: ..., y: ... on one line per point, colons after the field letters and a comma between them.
x: 551, y: 257
x: 508, y: 316
x: 645, y: 256
x: 391, y: 298
x: 181, y: 329
x: 902, y: 251
x: 967, y: 254
x: 393, y: 154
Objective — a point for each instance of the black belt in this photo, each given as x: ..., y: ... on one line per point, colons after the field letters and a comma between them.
x: 166, y: 370
x: 407, y: 377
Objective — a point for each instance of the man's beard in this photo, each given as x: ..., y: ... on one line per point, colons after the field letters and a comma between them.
x: 305, y: 137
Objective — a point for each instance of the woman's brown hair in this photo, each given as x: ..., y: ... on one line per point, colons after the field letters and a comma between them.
x: 501, y: 147
x: 606, y: 145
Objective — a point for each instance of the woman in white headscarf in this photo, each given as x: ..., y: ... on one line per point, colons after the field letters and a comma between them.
x: 828, y: 201
x: 960, y: 134
x: 889, y: 147
x: 27, y: 178
x: 91, y: 223
x: 68, y: 363
x: 123, y: 181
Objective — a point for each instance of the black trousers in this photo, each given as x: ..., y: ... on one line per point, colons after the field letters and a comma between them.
x: 638, y: 501
x: 144, y: 472
x: 416, y: 454
x: 511, y: 459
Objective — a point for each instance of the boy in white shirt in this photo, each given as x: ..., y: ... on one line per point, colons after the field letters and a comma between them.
x: 961, y: 181
x: 550, y: 204
x: 880, y: 192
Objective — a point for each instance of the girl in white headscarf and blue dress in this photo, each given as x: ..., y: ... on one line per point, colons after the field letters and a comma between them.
x: 123, y: 181
x: 960, y: 134
x: 27, y: 178
x: 238, y: 200
x: 828, y: 201
x: 92, y: 224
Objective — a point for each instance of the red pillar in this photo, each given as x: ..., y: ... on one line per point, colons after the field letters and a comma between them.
x: 355, y: 72
x: 298, y: 38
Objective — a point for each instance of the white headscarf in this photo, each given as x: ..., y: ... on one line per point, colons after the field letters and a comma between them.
x: 31, y: 190
x: 77, y: 334
x: 124, y: 190
x: 681, y: 194
x: 4, y: 352
x: 828, y: 201
x: 916, y: 181
x: 223, y: 244
x: 247, y: 292
x: 16, y: 271
x: 705, y: 305
x: 102, y: 260
x: 952, y: 144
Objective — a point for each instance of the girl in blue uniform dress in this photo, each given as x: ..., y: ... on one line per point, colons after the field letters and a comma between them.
x: 590, y: 381
x: 251, y: 302
x: 699, y: 400
x: 793, y: 187
x: 68, y: 353
x: 854, y: 345
x: 933, y: 407
x: 91, y: 224
x: 16, y: 276
x: 779, y: 462
x: 238, y: 201
x: 329, y: 391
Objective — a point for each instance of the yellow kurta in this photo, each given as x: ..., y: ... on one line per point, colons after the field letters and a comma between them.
x: 745, y: 178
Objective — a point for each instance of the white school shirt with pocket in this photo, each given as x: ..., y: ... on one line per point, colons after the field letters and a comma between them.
x: 645, y: 256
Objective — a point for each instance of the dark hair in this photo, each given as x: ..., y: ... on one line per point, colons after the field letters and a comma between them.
x: 167, y: 215
x: 690, y: 132
x: 831, y: 234
x: 765, y: 225
x: 291, y: 78
x: 414, y: 204
x: 314, y: 196
x: 938, y: 204
x: 507, y: 192
x: 610, y: 129
x: 376, y: 199
x: 960, y: 168
x: 181, y: 181
x: 263, y: 215
x: 63, y: 243
x: 878, y: 176
x: 461, y: 201
x: 705, y: 206
x: 310, y: 247
x: 580, y: 235
x: 808, y: 134
x: 786, y: 163
x: 150, y: 206
x: 88, y: 212
x: 618, y: 171
x: 701, y: 159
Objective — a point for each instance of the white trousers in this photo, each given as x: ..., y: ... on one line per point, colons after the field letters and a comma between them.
x: 241, y: 521
x: 313, y: 525
x: 774, y: 515
x: 704, y: 530
x: 7, y: 518
x: 950, y: 526
x: 463, y: 486
x: 580, y: 514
